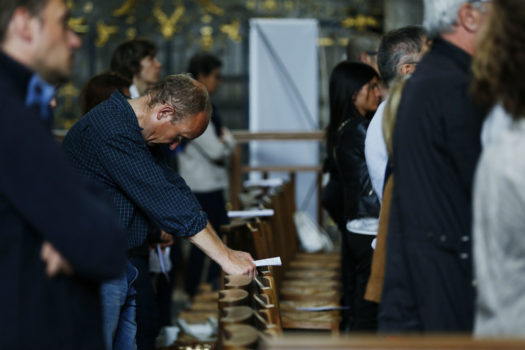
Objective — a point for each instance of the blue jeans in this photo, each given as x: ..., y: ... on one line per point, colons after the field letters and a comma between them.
x: 118, y: 310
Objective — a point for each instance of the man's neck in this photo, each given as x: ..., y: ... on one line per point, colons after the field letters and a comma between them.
x: 140, y: 108
x: 141, y: 85
x: 465, y: 41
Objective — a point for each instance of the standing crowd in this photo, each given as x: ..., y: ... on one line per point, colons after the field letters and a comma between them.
x: 426, y: 187
x: 425, y: 181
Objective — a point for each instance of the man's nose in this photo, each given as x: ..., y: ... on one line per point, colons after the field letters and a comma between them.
x: 74, y: 40
x: 377, y: 92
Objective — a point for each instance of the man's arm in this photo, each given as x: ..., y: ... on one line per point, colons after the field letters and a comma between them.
x: 233, y: 262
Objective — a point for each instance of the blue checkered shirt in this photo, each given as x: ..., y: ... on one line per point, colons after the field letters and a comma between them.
x: 107, y: 146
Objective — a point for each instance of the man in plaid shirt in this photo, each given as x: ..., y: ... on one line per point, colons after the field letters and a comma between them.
x: 115, y: 145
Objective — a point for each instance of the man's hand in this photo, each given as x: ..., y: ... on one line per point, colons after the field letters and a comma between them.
x: 239, y: 263
x: 55, y: 262
x: 233, y: 262
x: 166, y: 239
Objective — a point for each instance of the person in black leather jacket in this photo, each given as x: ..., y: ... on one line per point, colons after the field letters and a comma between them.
x: 354, y: 97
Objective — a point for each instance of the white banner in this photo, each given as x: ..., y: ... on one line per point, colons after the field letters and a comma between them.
x: 284, y: 97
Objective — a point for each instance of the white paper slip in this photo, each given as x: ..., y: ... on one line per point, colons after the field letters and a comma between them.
x: 250, y: 213
x: 268, y: 262
x: 274, y: 182
x: 322, y: 308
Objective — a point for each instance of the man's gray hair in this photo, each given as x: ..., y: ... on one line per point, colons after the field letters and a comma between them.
x: 440, y: 16
x: 398, y: 47
x: 184, y: 94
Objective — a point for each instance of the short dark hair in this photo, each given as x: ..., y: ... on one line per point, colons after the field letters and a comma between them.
x: 397, y: 47
x: 99, y: 88
x: 184, y: 94
x: 127, y: 56
x: 8, y: 7
x: 203, y: 63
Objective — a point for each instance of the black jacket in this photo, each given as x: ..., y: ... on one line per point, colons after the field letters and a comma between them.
x: 360, y: 199
x: 43, y: 199
x: 436, y: 148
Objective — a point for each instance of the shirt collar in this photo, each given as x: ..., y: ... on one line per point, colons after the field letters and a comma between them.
x: 39, y: 94
x: 133, y: 91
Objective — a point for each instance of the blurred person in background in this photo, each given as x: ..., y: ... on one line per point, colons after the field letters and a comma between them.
x: 203, y: 164
x: 137, y: 61
x: 354, y: 97
x: 499, y: 187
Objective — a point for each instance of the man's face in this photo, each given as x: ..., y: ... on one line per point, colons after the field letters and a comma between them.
x: 173, y: 134
x: 211, y: 81
x: 368, y: 97
x: 486, y: 12
x: 55, y: 43
x: 150, y: 70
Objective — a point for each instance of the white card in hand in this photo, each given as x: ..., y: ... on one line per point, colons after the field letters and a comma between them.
x: 268, y: 262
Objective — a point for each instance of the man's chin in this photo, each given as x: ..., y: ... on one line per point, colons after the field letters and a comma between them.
x: 57, y: 78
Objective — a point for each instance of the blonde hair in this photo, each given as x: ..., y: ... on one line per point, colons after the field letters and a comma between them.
x: 390, y: 111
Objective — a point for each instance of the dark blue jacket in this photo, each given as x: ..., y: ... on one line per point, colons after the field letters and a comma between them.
x: 43, y: 199
x: 428, y: 276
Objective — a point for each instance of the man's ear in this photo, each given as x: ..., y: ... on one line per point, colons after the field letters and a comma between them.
x: 23, y: 25
x: 470, y: 18
x: 166, y: 111
x: 407, y: 68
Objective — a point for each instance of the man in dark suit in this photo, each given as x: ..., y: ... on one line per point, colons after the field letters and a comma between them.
x: 58, y: 239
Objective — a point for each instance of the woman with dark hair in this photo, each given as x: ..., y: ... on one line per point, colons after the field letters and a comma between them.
x: 354, y: 97
x: 499, y: 186
x: 100, y: 87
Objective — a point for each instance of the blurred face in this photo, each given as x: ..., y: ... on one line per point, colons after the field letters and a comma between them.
x: 211, y: 81
x: 55, y: 43
x: 368, y: 97
x: 150, y: 70
x: 165, y: 132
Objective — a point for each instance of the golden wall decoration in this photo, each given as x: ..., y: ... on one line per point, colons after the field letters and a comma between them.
x: 360, y: 22
x: 78, y: 25
x: 127, y: 8
x: 168, y: 25
x: 69, y: 92
x: 210, y: 7
x: 104, y: 32
x: 232, y: 30
x: 206, y: 41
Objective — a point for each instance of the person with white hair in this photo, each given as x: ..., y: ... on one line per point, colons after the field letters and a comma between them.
x: 428, y: 283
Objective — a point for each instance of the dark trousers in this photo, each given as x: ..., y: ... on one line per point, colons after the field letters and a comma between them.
x: 213, y: 204
x: 165, y: 287
x: 147, y: 313
x: 358, y: 259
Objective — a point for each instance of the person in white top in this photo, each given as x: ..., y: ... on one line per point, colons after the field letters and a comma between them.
x: 399, y: 52
x: 203, y: 164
